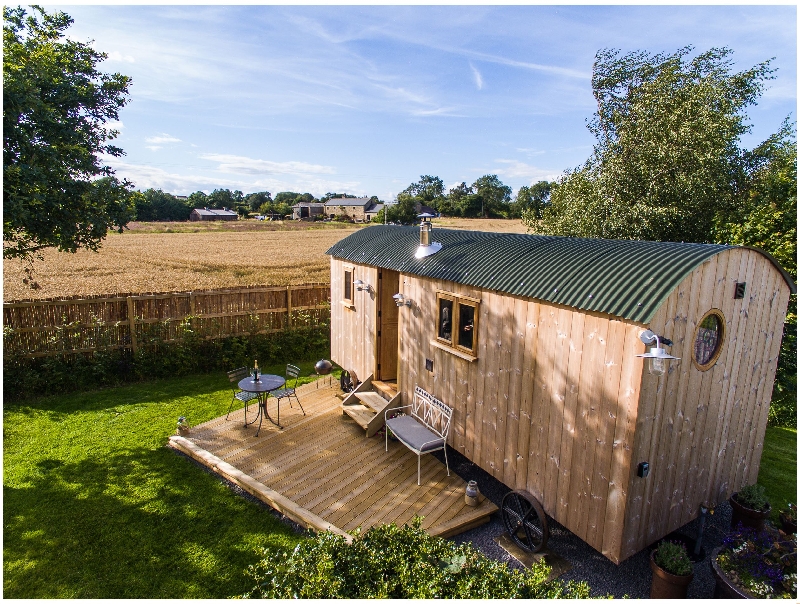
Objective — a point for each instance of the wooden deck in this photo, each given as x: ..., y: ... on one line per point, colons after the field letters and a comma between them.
x: 322, y: 471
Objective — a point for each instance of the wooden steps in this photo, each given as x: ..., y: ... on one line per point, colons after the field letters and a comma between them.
x: 368, y: 402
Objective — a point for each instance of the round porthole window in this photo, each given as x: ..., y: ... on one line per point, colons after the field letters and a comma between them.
x: 708, y: 339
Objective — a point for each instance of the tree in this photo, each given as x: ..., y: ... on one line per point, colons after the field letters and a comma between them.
x: 198, y: 199
x: 667, y: 165
x: 531, y: 200
x: 155, y: 205
x: 494, y: 196
x: 427, y: 189
x: 56, y: 110
x: 767, y: 219
x: 255, y: 200
x: 224, y: 198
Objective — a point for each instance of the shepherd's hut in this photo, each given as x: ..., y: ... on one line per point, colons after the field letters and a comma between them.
x: 537, y: 342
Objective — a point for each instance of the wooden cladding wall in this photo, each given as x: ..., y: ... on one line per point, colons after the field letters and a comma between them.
x: 549, y: 405
x: 353, y: 342
x: 702, y: 432
x: 77, y: 325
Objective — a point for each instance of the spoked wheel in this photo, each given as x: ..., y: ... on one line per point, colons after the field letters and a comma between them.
x: 525, y: 520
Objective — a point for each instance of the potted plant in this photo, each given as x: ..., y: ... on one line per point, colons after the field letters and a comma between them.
x: 672, y: 570
x: 750, y: 507
x: 756, y: 564
x: 788, y: 518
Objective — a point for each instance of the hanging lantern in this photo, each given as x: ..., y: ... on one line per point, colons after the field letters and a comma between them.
x: 658, y: 358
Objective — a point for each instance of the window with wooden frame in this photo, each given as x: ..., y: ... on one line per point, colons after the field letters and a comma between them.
x: 348, y: 287
x: 708, y: 338
x: 457, y: 323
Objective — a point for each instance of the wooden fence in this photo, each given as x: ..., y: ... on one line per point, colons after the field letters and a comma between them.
x: 82, y: 325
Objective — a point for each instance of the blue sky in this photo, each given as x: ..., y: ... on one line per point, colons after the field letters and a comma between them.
x: 365, y: 99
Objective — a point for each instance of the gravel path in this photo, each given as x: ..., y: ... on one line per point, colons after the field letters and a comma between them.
x: 631, y: 578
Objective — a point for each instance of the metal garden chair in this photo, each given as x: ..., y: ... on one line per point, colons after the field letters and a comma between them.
x: 235, y: 377
x: 292, y: 371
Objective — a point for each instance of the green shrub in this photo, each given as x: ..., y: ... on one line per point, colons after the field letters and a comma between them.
x: 392, y: 562
x: 753, y: 497
x: 783, y: 407
x: 157, y: 358
x: 672, y: 557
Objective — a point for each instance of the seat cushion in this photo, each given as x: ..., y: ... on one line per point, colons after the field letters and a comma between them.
x: 414, y: 434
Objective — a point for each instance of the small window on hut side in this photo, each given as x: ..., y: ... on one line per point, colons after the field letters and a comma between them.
x: 347, y: 298
x: 708, y: 340
x: 456, y: 323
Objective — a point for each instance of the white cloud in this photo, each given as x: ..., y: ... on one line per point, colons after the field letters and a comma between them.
x: 162, y: 138
x: 147, y: 176
x: 153, y: 147
x: 113, y: 125
x: 477, y: 75
x: 518, y: 169
x: 237, y: 164
x: 115, y: 55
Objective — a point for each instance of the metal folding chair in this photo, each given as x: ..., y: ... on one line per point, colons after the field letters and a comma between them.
x: 292, y: 371
x: 235, y: 377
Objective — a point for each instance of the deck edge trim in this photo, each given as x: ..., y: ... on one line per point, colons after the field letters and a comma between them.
x: 272, y: 498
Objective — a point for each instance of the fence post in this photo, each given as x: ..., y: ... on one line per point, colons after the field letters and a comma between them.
x: 289, y: 306
x: 132, y: 325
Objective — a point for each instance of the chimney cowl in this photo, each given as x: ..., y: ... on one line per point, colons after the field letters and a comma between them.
x: 426, y: 246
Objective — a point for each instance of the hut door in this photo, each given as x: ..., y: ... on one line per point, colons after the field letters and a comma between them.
x: 386, y: 363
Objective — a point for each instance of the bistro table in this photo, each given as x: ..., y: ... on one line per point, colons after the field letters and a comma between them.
x: 266, y: 383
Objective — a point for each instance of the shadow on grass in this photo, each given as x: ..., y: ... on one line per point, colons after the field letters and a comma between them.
x: 118, y: 397
x: 135, y: 524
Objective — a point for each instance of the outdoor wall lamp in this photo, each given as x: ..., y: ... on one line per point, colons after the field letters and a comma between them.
x: 657, y: 355
x: 400, y: 300
x: 361, y: 286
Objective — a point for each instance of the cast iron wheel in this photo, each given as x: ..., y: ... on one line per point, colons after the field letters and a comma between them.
x: 525, y: 520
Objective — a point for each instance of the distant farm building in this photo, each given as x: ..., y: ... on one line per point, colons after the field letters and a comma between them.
x: 210, y: 214
x: 306, y: 209
x: 360, y: 209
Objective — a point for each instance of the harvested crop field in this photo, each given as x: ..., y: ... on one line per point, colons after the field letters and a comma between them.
x: 161, y: 257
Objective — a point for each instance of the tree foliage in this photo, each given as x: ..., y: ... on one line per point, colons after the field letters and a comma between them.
x: 155, y: 205
x: 531, y: 201
x: 57, y: 108
x: 667, y: 165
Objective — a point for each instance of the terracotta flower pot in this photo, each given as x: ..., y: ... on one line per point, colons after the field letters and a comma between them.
x: 667, y: 585
x: 725, y: 588
x: 752, y: 518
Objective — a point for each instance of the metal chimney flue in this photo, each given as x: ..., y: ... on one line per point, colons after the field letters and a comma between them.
x: 426, y: 247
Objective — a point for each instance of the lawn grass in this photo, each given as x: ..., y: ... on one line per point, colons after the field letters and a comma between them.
x: 95, y: 505
x: 778, y: 471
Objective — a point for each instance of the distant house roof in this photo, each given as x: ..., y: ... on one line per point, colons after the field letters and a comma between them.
x: 212, y: 212
x: 375, y: 207
x: 308, y: 204
x: 361, y: 202
x: 628, y: 279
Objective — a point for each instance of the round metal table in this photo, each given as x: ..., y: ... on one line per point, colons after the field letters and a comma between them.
x: 266, y: 383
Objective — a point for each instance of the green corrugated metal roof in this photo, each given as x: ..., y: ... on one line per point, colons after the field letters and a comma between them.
x: 628, y: 279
